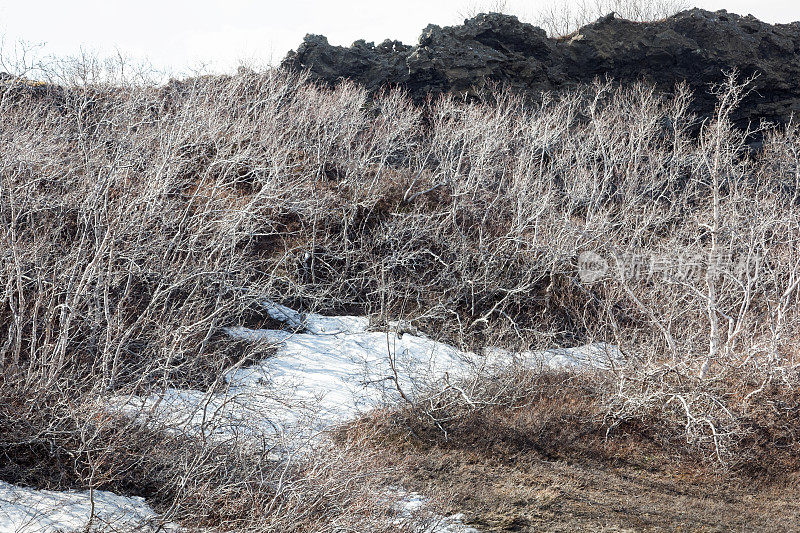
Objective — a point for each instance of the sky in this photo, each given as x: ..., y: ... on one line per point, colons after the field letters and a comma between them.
x: 180, y: 37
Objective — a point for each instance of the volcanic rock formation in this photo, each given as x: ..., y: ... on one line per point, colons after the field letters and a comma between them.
x: 695, y: 46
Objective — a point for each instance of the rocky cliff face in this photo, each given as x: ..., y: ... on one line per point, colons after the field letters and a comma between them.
x: 696, y: 46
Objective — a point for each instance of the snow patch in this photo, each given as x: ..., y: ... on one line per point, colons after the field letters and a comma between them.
x: 313, y: 382
x: 329, y: 370
x: 316, y: 324
x: 25, y: 510
x: 599, y: 356
x: 413, y: 514
x: 333, y: 371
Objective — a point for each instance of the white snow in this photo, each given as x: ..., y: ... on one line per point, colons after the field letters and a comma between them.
x: 413, y: 514
x: 326, y: 370
x: 591, y: 356
x: 24, y: 510
x: 316, y: 324
x: 331, y: 371
x: 313, y: 382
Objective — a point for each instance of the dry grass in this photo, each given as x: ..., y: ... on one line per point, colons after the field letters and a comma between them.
x: 549, y: 463
x: 139, y: 221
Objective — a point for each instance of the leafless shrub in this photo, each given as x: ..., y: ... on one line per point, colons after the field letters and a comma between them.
x: 471, y: 9
x: 139, y: 221
x: 560, y: 19
x: 132, y: 219
x: 564, y: 18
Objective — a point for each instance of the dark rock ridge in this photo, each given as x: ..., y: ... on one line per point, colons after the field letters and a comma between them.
x: 697, y: 46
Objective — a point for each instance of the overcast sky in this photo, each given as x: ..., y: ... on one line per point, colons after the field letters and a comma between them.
x: 177, y: 35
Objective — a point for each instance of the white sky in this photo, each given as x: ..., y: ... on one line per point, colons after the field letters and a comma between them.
x: 176, y: 35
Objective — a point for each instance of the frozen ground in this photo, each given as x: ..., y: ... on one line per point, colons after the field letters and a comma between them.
x: 412, y: 510
x: 325, y: 371
x: 25, y: 510
x: 328, y: 370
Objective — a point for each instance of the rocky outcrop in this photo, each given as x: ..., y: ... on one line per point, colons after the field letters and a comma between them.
x: 695, y: 46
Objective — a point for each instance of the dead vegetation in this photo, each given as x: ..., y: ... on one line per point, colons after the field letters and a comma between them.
x: 564, y: 19
x: 138, y: 221
x: 552, y: 460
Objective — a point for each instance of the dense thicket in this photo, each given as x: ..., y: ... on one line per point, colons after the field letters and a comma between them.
x: 136, y: 222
